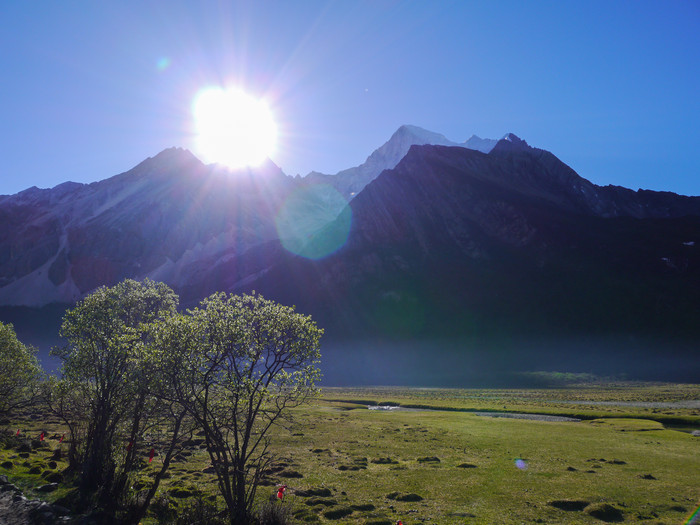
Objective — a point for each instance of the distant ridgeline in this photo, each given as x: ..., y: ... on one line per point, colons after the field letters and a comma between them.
x: 432, y: 263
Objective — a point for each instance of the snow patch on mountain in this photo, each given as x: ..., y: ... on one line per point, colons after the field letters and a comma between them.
x: 351, y: 181
x: 477, y: 143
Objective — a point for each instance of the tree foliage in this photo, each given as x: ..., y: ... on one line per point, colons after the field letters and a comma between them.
x: 137, y: 374
x: 104, y: 394
x: 19, y: 371
x: 237, y: 364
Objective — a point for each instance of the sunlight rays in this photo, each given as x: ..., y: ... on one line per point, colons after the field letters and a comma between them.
x: 233, y: 128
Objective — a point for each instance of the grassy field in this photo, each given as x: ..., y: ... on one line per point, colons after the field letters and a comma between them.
x: 449, y: 465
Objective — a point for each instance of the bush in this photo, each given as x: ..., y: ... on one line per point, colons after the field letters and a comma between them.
x: 9, y: 440
x: 200, y: 511
x: 274, y: 513
x: 19, y: 372
x: 164, y: 509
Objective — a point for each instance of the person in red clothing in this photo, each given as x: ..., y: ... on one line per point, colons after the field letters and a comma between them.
x: 280, y: 492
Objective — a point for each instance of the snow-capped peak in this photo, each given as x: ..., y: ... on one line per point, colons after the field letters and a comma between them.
x: 418, y: 135
x: 351, y: 181
x: 479, y: 144
x: 512, y: 137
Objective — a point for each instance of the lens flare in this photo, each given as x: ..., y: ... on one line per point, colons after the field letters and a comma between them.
x: 694, y: 518
x: 163, y: 63
x: 521, y: 464
x: 233, y: 128
x: 314, y: 221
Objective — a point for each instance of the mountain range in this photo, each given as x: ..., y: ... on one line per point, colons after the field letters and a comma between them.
x: 433, y: 263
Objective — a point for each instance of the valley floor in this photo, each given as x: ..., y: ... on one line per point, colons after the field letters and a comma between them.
x: 442, y: 463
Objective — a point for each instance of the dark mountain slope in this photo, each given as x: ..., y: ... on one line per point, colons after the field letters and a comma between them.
x: 502, y: 249
x: 151, y: 221
x: 459, y: 267
x: 453, y: 242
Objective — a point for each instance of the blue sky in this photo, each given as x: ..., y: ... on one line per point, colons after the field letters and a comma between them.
x: 89, y: 89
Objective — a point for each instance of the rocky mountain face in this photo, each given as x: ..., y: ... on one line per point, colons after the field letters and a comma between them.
x: 451, y: 265
x: 159, y: 220
x: 351, y: 181
x: 516, y: 227
x: 169, y: 218
x: 505, y: 260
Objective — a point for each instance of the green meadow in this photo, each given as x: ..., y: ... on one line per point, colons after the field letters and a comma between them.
x: 433, y: 459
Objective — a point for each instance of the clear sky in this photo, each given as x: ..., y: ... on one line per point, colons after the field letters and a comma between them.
x: 89, y: 89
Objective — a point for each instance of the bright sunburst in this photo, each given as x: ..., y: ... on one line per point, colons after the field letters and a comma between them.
x: 233, y: 128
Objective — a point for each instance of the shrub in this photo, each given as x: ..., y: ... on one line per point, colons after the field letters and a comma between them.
x: 19, y: 372
x: 200, y: 510
x: 274, y: 513
x: 164, y: 509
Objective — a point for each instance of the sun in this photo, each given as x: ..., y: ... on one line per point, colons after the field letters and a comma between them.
x: 233, y: 128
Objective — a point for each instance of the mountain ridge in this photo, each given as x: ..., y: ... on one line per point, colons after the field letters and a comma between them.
x: 351, y: 181
x: 497, y: 249
x: 47, y: 221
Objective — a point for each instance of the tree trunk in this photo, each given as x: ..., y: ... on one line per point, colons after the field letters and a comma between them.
x: 137, y: 514
x: 240, y: 504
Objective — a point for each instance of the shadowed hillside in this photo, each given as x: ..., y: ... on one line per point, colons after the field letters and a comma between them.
x: 455, y: 266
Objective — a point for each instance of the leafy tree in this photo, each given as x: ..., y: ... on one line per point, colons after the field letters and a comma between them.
x: 161, y: 416
x: 104, y: 393
x: 19, y: 372
x: 237, y: 365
